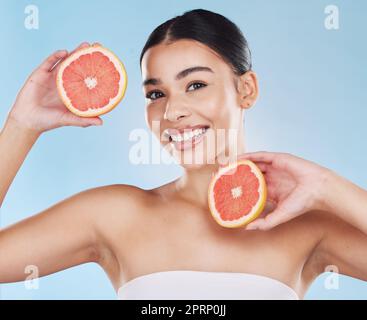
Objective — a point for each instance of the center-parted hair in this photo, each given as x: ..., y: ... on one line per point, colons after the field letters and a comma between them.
x: 211, y: 29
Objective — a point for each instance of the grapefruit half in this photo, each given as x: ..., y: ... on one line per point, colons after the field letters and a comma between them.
x: 91, y: 81
x: 237, y: 194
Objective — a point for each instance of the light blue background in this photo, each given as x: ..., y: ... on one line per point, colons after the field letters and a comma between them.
x: 312, y: 103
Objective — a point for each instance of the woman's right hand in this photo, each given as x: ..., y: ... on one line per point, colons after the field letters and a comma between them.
x: 38, y: 106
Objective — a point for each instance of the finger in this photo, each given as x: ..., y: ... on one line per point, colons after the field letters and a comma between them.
x: 253, y: 225
x: 270, y: 205
x: 70, y: 119
x: 277, y: 160
x: 84, y: 44
x: 56, y: 66
x: 51, y: 60
x: 259, y: 156
x: 262, y: 166
x: 272, y: 220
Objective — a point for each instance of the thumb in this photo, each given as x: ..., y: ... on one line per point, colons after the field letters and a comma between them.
x: 51, y: 60
x: 273, y: 219
x: 294, y: 205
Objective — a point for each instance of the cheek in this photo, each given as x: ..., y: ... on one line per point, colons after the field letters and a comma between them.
x: 217, y: 105
x: 153, y: 117
x: 152, y: 113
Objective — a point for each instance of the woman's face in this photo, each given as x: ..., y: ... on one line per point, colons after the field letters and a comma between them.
x: 188, y: 86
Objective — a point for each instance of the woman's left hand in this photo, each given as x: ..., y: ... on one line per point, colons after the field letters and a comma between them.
x: 294, y: 186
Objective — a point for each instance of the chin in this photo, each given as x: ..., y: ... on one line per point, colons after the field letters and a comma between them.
x: 193, y: 166
x: 196, y: 163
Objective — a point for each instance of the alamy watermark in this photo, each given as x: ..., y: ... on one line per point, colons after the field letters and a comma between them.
x: 31, y: 21
x: 331, y: 21
x: 32, y: 281
x: 332, y: 280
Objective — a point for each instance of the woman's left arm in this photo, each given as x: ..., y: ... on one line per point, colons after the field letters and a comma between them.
x: 346, y: 200
x: 343, y: 244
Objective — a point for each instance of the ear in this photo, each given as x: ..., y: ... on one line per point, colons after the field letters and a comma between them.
x: 247, y: 89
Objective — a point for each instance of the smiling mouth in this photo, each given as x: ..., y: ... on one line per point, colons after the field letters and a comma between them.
x: 188, y: 135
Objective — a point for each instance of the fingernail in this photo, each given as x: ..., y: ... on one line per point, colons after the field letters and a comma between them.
x: 61, y: 52
x: 251, y: 228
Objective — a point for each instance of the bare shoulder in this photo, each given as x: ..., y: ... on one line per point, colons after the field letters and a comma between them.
x: 114, y: 197
x: 123, y: 192
x: 117, y: 213
x: 116, y: 201
x: 112, y: 206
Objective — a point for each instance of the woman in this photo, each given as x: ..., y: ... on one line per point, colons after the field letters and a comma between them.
x: 162, y: 243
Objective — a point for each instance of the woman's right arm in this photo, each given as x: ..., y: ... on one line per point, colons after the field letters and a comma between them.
x: 65, y: 234
x: 37, y: 109
x: 15, y: 143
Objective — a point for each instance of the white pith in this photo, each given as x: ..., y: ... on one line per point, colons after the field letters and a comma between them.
x: 236, y: 192
x: 90, y: 82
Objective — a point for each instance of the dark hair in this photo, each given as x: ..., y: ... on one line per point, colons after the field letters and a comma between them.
x: 212, y: 29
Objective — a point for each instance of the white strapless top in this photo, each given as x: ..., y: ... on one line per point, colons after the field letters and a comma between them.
x: 203, y: 285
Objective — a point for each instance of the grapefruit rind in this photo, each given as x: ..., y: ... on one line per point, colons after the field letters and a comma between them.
x: 113, y: 102
x: 255, y: 211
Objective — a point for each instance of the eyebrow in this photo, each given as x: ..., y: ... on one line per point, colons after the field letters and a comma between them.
x: 180, y: 75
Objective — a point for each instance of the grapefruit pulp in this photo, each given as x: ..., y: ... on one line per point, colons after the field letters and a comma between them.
x: 91, y: 81
x: 237, y: 194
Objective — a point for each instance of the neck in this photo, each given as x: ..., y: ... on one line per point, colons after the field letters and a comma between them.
x: 193, y: 184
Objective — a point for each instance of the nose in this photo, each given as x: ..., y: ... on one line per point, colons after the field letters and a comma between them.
x: 175, y: 110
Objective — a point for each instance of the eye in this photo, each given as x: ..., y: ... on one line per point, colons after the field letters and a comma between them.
x: 150, y: 95
x: 154, y: 95
x: 197, y: 85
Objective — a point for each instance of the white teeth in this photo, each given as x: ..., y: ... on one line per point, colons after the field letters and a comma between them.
x: 188, y: 135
